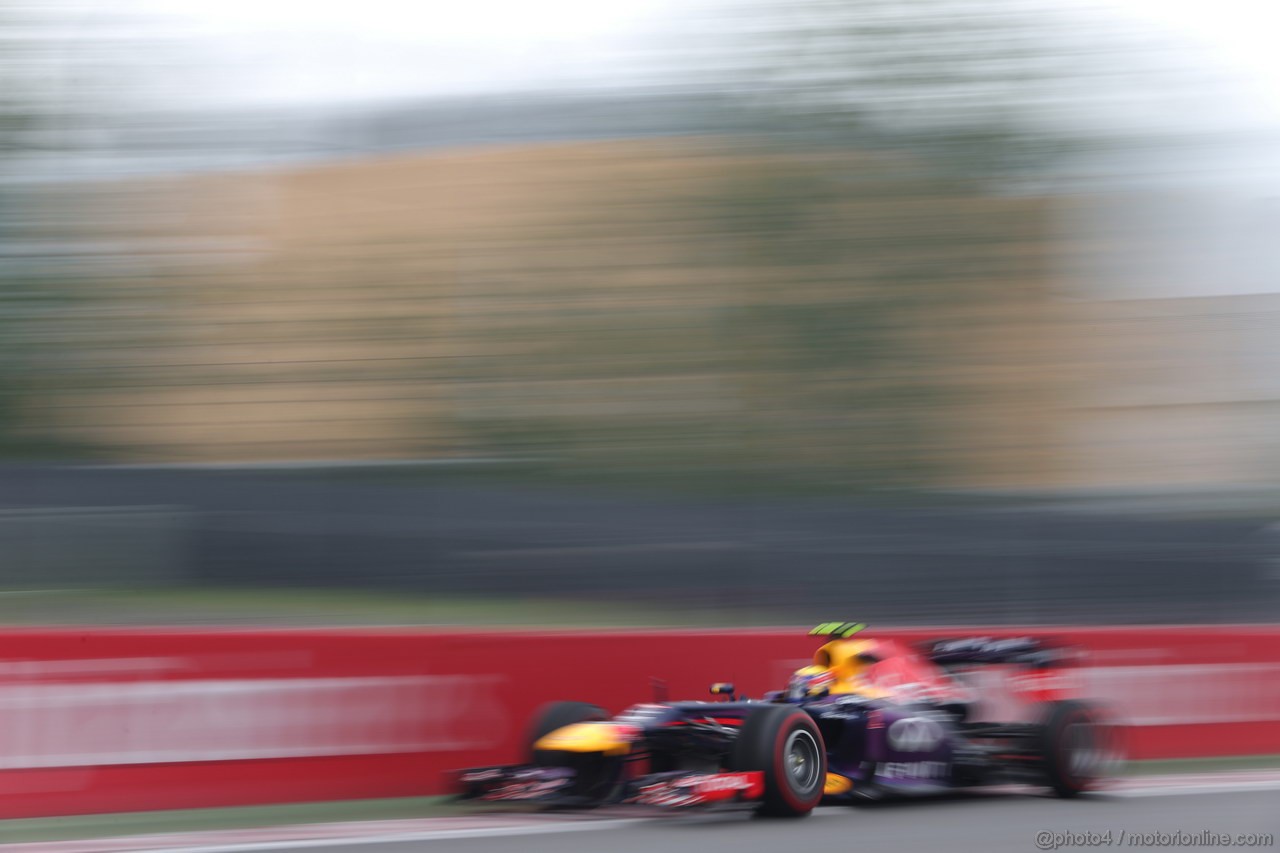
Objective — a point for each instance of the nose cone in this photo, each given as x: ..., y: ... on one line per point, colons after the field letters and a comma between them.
x: 603, y: 737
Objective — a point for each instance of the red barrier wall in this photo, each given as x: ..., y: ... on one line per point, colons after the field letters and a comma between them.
x: 115, y: 720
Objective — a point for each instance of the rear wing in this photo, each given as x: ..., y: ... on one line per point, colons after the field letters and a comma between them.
x: 1030, y: 652
x: 838, y: 630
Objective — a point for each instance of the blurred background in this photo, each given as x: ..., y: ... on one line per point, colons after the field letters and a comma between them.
x: 714, y: 311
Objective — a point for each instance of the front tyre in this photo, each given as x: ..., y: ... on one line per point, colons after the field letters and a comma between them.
x: 595, y: 775
x: 557, y: 715
x: 784, y: 743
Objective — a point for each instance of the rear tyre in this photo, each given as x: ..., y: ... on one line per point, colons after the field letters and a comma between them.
x: 1078, y: 747
x: 594, y: 774
x: 784, y: 743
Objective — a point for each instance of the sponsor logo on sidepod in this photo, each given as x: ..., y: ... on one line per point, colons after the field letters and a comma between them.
x: 914, y: 734
x: 913, y: 770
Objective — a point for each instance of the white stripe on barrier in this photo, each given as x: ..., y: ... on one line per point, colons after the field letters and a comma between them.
x: 147, y: 722
x: 45, y: 725
x: 1189, y: 694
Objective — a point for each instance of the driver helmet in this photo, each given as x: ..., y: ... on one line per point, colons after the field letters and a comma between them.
x: 844, y: 664
x: 810, y: 682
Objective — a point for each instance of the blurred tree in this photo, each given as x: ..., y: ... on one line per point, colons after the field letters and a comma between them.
x: 39, y: 303
x: 870, y: 251
x: 17, y: 121
x: 18, y: 103
x: 745, y: 321
x: 981, y: 87
x: 847, y: 329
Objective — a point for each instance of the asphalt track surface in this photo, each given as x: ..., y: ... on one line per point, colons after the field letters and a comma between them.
x: 974, y: 822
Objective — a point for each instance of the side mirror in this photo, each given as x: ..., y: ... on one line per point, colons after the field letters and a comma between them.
x: 722, y: 688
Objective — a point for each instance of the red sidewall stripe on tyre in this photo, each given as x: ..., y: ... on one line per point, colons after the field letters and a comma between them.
x: 782, y: 774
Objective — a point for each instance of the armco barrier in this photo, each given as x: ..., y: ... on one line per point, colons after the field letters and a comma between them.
x: 116, y: 720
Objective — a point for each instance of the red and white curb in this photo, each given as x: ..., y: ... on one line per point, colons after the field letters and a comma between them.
x: 310, y: 836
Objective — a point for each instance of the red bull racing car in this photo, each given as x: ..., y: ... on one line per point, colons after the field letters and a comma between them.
x: 867, y: 719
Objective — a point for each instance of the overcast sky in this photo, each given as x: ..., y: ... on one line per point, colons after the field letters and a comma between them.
x: 1239, y: 37
x: 323, y: 51
x: 253, y: 52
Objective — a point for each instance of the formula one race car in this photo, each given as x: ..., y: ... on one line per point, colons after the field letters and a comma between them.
x: 868, y: 719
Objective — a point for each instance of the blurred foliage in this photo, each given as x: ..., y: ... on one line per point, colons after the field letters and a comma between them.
x: 717, y: 314
x: 24, y: 301
x: 809, y: 346
x: 979, y: 88
x: 24, y: 305
x: 797, y: 307
x: 76, y: 285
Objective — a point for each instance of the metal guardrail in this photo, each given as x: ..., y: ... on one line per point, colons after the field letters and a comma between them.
x: 281, y: 529
x: 51, y: 547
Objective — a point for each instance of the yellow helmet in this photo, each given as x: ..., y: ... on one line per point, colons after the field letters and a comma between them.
x: 842, y: 661
x: 810, y: 682
x: 847, y: 659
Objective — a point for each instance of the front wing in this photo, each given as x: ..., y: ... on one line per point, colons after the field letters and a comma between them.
x: 552, y: 786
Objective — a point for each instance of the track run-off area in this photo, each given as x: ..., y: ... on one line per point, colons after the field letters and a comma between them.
x: 1237, y: 810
